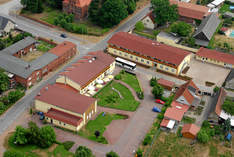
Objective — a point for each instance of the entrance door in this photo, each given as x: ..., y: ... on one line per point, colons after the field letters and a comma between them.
x: 51, y: 121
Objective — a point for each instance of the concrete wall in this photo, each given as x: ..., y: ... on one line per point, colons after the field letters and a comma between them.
x: 10, y: 26
x: 183, y: 64
x: 67, y: 81
x: 213, y: 61
x: 148, y: 23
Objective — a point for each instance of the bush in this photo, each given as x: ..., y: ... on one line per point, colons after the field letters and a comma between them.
x: 112, y: 154
x: 47, y: 136
x: 139, y: 26
x: 118, y: 77
x: 140, y: 95
x: 14, y: 96
x: 216, y: 89
x: 153, y: 81
x: 20, y: 136
x: 164, y: 108
x: 12, y: 153
x: 181, y: 28
x: 68, y: 145
x: 83, y: 151
x: 139, y: 153
x: 147, y: 140
x: 160, y: 116
x: 157, y: 91
x: 202, y: 136
x: 179, y: 134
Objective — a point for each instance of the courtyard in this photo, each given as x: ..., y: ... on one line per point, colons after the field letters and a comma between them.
x: 205, y: 72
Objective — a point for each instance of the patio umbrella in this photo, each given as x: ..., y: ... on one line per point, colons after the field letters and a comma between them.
x: 99, y: 86
x: 110, y: 76
x: 106, y: 79
x: 91, y: 88
x: 100, y: 81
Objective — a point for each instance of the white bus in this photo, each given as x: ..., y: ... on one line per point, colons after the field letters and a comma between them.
x: 125, y: 63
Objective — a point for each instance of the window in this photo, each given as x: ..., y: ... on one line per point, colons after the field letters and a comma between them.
x: 166, y: 68
x: 147, y: 62
x: 142, y: 60
x: 120, y: 53
x: 136, y: 58
x: 172, y: 70
x: 60, y: 123
x: 130, y: 56
x: 64, y: 124
x: 161, y: 66
x: 47, y: 118
x: 125, y: 55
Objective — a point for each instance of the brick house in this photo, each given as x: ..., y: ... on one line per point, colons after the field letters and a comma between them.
x: 64, y: 107
x: 77, y: 7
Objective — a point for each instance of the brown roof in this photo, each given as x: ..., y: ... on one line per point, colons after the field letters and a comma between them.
x: 62, y: 48
x: 213, y: 54
x: 64, y: 117
x: 164, y: 122
x: 63, y: 97
x: 182, y: 107
x: 221, y: 98
x: 166, y: 83
x: 190, y: 128
x: 148, y: 47
x: 174, y: 113
x: 191, y: 10
x: 87, y: 69
x: 184, y: 91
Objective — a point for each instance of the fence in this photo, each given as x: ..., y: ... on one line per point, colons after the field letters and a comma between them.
x: 147, y: 153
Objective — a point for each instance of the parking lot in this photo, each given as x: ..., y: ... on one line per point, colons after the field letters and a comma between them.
x: 202, y: 72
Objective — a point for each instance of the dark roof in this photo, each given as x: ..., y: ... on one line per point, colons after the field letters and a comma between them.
x: 146, y: 47
x: 43, y: 60
x: 20, y: 45
x: 208, y: 27
x: 230, y: 76
x: 3, y: 22
x: 66, y: 98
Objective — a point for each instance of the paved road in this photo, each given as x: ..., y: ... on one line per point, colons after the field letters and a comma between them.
x: 37, y: 29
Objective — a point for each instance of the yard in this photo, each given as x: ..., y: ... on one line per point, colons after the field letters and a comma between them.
x: 170, y: 145
x: 34, y: 151
x: 99, y: 124
x: 115, y: 95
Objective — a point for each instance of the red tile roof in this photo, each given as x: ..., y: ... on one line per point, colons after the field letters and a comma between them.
x: 85, y: 70
x: 148, y: 47
x: 166, y: 83
x: 221, y: 98
x: 151, y: 16
x: 62, y: 48
x: 191, y: 10
x: 64, y: 117
x: 79, y: 3
x: 164, y: 122
x: 64, y: 97
x: 179, y: 106
x: 184, y: 91
x: 190, y: 128
x: 174, y: 113
x: 213, y: 54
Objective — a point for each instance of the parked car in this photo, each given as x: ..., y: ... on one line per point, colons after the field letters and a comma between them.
x: 159, y: 101
x: 155, y: 109
x: 63, y: 35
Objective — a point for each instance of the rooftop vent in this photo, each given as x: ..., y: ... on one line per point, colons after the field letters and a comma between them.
x: 39, y: 94
x: 178, y: 107
x: 90, y: 61
x: 94, y: 58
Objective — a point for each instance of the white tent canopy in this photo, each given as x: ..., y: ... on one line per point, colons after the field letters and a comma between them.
x: 171, y: 124
x: 91, y: 88
x: 225, y: 116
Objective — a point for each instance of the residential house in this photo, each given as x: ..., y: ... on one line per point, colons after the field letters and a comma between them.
x: 77, y: 7
x: 169, y: 85
x: 86, y: 72
x: 190, y: 131
x: 218, y: 58
x: 149, y: 21
x: 190, y: 12
x: 188, y: 94
x: 28, y: 73
x: 206, y: 30
x: 6, y: 25
x: 148, y: 53
x: 64, y: 107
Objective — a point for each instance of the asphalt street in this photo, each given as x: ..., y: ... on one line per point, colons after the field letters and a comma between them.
x: 36, y: 29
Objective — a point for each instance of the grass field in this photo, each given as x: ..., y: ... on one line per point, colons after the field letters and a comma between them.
x: 124, y: 100
x: 170, y: 145
x: 131, y: 80
x: 99, y: 124
x: 33, y: 151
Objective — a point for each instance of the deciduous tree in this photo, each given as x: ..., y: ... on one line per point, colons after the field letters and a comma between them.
x: 83, y: 151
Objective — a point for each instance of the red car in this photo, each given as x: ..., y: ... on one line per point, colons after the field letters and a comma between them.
x: 159, y: 101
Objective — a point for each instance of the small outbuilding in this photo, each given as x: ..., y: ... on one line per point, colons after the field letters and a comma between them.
x: 190, y: 131
x: 169, y: 85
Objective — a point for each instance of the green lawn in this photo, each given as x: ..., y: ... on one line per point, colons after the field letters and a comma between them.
x: 44, y: 46
x: 224, y: 8
x: 108, y: 97
x: 99, y: 124
x: 131, y: 80
x: 187, y: 119
x: 35, y: 151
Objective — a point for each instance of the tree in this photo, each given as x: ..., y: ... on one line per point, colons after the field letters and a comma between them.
x: 226, y: 126
x: 13, y: 96
x: 20, y: 136
x: 112, y: 154
x: 190, y: 41
x: 157, y: 91
x: 112, y: 12
x: 4, y: 82
x: 131, y: 6
x: 97, y: 134
x: 164, y: 11
x: 202, y: 136
x: 139, y: 26
x: 94, y: 11
x: 83, y: 151
x: 12, y: 153
x: 216, y: 89
x: 34, y: 6
x: 153, y: 81
x: 34, y: 131
x: 47, y: 136
x: 57, y: 4
x: 181, y: 28
x: 139, y: 153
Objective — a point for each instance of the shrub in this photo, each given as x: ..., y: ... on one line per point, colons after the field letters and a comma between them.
x: 153, y: 81
x: 47, y: 136
x: 202, y: 136
x: 160, y: 116
x: 140, y: 95
x: 68, y: 145
x: 164, y: 108
x: 181, y: 28
x: 179, y: 134
x: 20, y: 136
x: 12, y: 153
x: 83, y: 151
x: 112, y: 154
x: 139, y: 26
x: 147, y: 140
x: 14, y: 96
x: 216, y: 89
x: 118, y: 77
x: 157, y: 91
x: 139, y: 153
